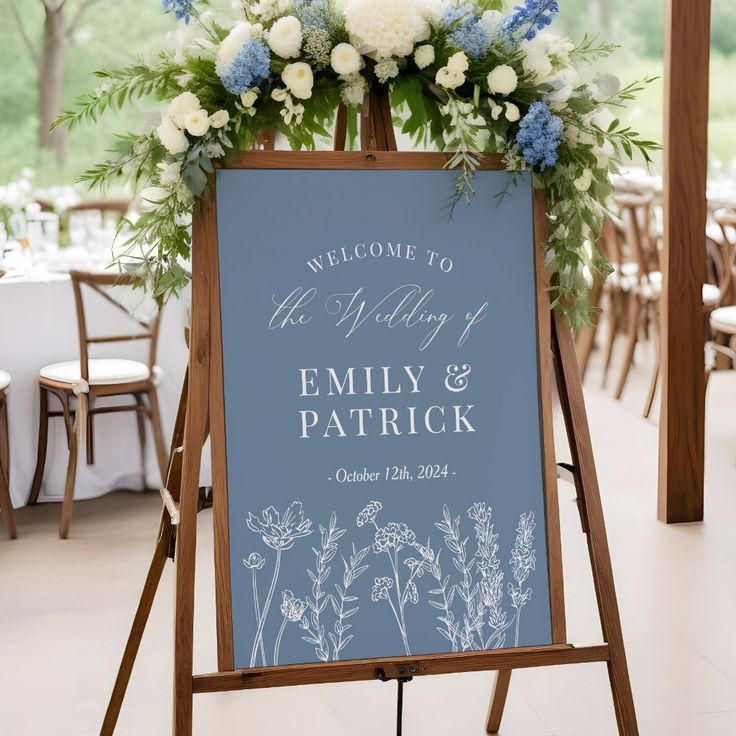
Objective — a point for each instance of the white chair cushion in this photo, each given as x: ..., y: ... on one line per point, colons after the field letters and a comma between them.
x: 4, y: 380
x: 723, y: 319
x: 711, y: 295
x: 102, y: 371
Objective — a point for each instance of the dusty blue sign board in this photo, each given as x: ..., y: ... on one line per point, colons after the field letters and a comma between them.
x: 382, y: 408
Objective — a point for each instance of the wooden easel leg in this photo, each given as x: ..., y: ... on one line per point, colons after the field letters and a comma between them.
x: 591, y: 513
x: 160, y: 555
x: 498, y: 701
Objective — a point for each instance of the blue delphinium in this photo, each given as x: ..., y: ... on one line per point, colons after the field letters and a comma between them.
x: 249, y: 68
x: 182, y: 9
x: 472, y: 37
x: 529, y: 18
x: 539, y: 136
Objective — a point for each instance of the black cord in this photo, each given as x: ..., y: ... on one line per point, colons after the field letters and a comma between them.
x: 399, y: 707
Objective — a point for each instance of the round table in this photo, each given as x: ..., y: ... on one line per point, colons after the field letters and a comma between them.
x: 39, y: 327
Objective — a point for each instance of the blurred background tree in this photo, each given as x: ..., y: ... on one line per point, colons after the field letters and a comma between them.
x: 91, y: 34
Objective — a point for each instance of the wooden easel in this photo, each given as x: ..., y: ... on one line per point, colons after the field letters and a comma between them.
x: 201, y: 413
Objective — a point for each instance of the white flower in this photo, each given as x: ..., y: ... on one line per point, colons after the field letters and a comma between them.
x: 458, y: 62
x: 215, y: 150
x: 433, y: 10
x: 424, y: 55
x: 298, y: 79
x: 603, y: 118
x: 248, y: 99
x: 386, y: 69
x: 449, y: 79
x: 605, y: 87
x: 290, y: 111
x: 267, y: 10
x: 232, y: 44
x: 496, y: 109
x: 197, y: 123
x: 583, y: 182
x: 491, y: 21
x: 512, y: 112
x: 279, y: 94
x: 536, y: 63
x: 381, y: 28
x: 170, y: 173
x: 172, y: 139
x: 181, y: 106
x: 183, y: 79
x: 345, y: 60
x: 220, y: 119
x: 502, y: 80
x: 285, y: 37
x: 603, y: 154
x: 354, y: 89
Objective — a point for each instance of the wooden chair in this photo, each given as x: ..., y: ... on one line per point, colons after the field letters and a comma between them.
x: 83, y: 382
x: 6, y: 505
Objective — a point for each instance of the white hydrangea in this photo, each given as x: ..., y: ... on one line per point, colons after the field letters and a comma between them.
x: 384, y: 28
x: 171, y: 137
x: 424, y: 55
x: 491, y: 21
x: 181, y: 106
x: 220, y: 119
x: 232, y: 44
x: 354, y: 89
x: 536, y: 63
x: 502, y: 80
x: 285, y: 37
x: 267, y: 10
x: 299, y: 79
x: 386, y: 69
x: 197, y: 123
x: 345, y: 60
x: 433, y: 10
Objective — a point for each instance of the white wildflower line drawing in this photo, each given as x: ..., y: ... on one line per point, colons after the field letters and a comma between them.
x: 391, y: 539
x: 278, y: 532
x: 523, y: 561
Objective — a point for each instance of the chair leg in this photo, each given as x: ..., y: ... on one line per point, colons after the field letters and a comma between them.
x: 657, y: 363
x: 71, y: 471
x: 6, y: 505
x: 158, y: 434
x: 615, y: 307
x: 90, y: 437
x: 140, y: 416
x: 43, y: 441
x: 632, y: 338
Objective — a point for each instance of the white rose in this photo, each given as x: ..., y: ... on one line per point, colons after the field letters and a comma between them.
x: 169, y: 173
x: 181, y: 106
x: 424, y: 55
x: 512, y: 112
x: 298, y: 79
x: 502, y: 80
x: 197, y: 123
x: 285, y: 37
x: 172, y: 139
x: 449, y: 79
x: 583, y: 182
x: 491, y: 21
x: 344, y: 59
x: 220, y: 119
x: 248, y: 99
x: 232, y: 45
x: 458, y: 63
x: 536, y: 63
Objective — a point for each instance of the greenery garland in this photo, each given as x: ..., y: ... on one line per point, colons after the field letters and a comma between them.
x: 463, y: 78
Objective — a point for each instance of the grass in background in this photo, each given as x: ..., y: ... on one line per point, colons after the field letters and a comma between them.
x: 112, y: 32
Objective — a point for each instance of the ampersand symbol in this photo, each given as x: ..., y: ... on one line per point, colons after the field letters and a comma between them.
x: 457, y: 377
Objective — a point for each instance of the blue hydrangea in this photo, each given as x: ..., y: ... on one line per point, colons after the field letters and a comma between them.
x: 182, y: 9
x: 529, y: 18
x: 539, y: 136
x: 311, y: 13
x: 249, y: 68
x: 472, y: 37
x: 455, y: 12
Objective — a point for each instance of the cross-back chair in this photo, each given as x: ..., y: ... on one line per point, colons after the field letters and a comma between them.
x: 78, y: 386
x: 723, y: 319
x: 6, y: 504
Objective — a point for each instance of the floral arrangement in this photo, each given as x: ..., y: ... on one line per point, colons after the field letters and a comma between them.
x: 463, y: 77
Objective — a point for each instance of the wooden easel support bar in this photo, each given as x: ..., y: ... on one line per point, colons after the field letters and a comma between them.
x: 439, y: 664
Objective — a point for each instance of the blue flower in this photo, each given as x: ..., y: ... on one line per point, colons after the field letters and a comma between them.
x: 471, y: 37
x: 249, y: 68
x: 311, y: 13
x: 539, y: 136
x: 527, y: 19
x: 456, y: 12
x: 182, y: 9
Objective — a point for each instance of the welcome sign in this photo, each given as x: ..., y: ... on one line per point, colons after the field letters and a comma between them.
x: 384, y: 443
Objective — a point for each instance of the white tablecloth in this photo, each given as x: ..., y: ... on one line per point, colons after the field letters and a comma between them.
x: 38, y: 326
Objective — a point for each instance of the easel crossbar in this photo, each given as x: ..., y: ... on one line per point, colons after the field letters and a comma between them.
x: 438, y: 664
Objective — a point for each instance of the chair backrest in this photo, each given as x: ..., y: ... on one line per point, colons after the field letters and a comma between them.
x: 611, y: 241
x: 637, y: 214
x: 726, y: 220
x: 97, y: 283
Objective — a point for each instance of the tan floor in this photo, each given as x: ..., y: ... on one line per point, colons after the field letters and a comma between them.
x: 65, y: 609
